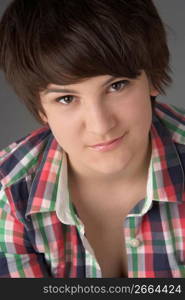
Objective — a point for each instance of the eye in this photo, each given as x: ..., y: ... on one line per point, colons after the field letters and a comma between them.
x: 119, y: 85
x: 65, y: 99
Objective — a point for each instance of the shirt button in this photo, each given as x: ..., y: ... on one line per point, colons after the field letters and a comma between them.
x: 134, y: 243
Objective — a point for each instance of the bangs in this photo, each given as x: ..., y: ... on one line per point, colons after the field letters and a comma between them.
x: 75, y: 49
x: 92, y: 58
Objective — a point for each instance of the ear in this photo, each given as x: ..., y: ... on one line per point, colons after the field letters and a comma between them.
x: 153, y: 91
x: 43, y: 117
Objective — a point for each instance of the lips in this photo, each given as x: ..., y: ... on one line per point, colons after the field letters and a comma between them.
x: 103, y: 147
x: 105, y: 144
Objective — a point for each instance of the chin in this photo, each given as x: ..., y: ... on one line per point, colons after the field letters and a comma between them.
x: 113, y: 169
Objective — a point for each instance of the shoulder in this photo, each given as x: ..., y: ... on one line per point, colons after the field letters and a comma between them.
x: 21, y: 158
x: 173, y: 118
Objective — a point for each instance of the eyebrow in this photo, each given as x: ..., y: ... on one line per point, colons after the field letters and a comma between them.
x: 61, y: 90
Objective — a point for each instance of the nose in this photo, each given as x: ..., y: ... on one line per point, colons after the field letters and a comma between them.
x: 99, y: 119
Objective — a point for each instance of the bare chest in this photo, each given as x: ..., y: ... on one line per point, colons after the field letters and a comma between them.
x: 103, y: 219
x: 109, y: 247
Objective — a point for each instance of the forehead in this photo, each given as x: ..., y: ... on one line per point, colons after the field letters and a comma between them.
x: 96, y: 82
x: 94, y: 79
x: 100, y: 81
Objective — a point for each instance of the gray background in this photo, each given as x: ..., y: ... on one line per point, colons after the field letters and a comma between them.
x: 16, y: 121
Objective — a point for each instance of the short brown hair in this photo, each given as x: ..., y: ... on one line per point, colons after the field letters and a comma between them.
x: 66, y: 41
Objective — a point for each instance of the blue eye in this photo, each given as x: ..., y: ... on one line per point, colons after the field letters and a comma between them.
x: 65, y: 99
x: 119, y: 85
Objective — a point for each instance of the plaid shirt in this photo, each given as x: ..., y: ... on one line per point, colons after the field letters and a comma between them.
x: 41, y: 234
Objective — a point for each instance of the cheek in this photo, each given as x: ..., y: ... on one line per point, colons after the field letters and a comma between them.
x: 138, y: 113
x: 65, y: 132
x: 143, y: 121
x: 63, y: 126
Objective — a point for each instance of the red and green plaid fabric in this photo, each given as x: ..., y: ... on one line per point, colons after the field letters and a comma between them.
x: 42, y: 236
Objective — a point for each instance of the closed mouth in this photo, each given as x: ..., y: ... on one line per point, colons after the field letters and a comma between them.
x: 105, y: 144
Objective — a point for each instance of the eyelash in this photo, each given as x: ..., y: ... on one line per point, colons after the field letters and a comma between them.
x: 125, y: 82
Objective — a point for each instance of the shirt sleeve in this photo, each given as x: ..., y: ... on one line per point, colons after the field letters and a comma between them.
x: 17, y: 256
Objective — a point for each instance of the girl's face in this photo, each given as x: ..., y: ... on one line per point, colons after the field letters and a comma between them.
x: 96, y: 111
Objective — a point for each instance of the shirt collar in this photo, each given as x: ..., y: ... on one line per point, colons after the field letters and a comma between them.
x: 64, y: 209
x: 42, y: 196
x: 168, y: 173
x: 165, y: 175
